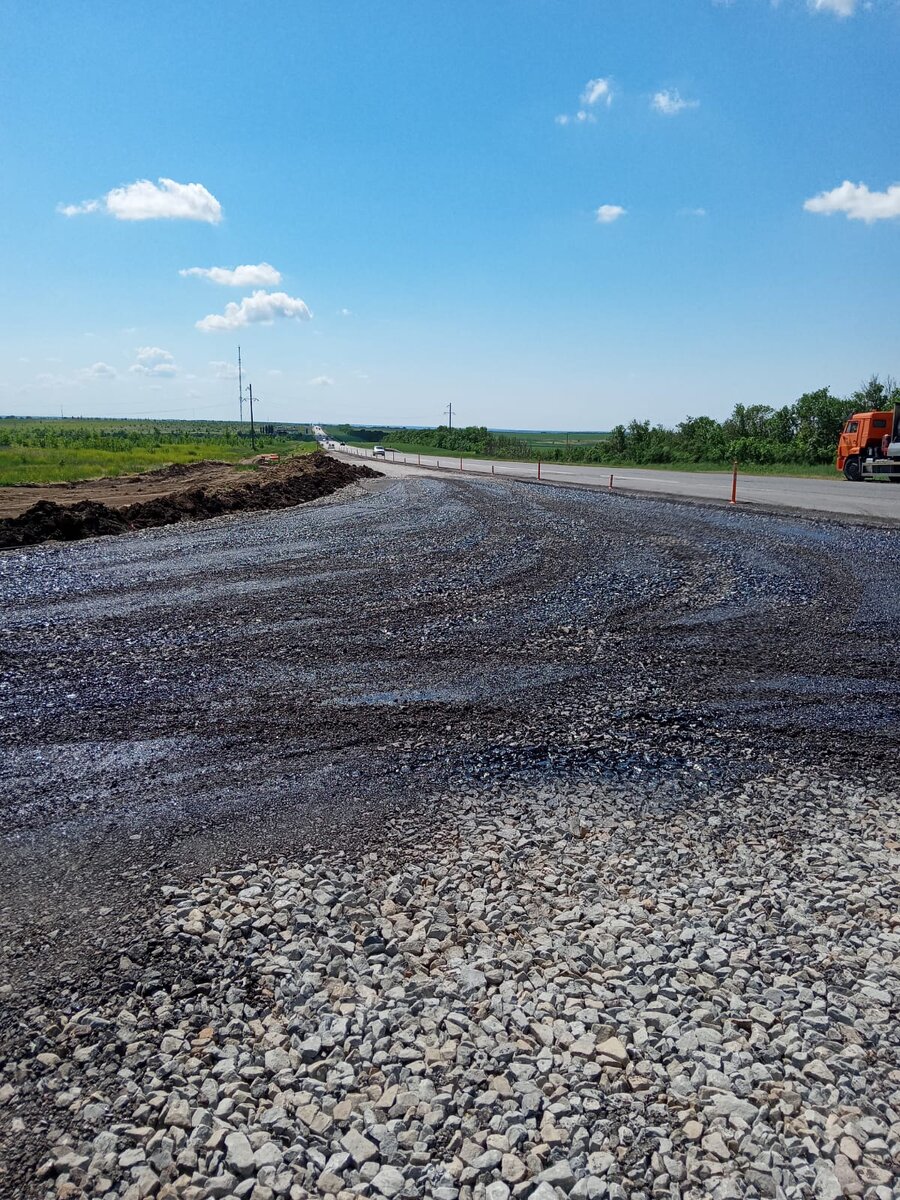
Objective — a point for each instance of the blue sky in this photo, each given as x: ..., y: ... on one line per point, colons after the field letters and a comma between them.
x: 557, y: 215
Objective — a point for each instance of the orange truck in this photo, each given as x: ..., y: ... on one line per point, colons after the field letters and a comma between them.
x: 869, y: 446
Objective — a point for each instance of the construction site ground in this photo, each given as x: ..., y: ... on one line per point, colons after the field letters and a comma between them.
x: 122, y: 489
x: 103, y: 507
x: 671, y: 724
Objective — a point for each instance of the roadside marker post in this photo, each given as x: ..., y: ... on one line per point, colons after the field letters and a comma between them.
x: 492, y: 468
x: 460, y: 462
x: 734, y: 483
x: 610, y: 483
x: 539, y: 468
x: 419, y: 457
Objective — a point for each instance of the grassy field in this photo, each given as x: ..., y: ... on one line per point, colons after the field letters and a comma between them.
x: 35, y: 450
x: 825, y: 471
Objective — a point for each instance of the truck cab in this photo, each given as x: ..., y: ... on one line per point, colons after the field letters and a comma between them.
x: 869, y: 446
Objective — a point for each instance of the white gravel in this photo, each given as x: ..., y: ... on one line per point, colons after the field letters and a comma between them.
x: 548, y: 994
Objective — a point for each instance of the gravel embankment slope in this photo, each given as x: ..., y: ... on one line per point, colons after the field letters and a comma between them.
x: 454, y: 840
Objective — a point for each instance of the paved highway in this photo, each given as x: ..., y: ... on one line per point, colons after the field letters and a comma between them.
x: 825, y: 496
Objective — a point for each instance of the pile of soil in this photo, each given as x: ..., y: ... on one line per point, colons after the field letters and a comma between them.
x: 293, y: 482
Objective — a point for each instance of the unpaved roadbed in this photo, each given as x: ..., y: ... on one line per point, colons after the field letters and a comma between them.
x: 519, y: 775
x: 566, y: 993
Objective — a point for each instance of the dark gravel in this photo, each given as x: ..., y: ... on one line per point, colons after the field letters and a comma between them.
x: 282, y: 683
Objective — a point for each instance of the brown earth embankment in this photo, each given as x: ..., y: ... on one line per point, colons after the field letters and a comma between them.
x: 94, y: 508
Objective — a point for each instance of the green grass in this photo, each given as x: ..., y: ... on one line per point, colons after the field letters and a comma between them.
x: 39, y: 451
x: 802, y: 470
x: 30, y: 464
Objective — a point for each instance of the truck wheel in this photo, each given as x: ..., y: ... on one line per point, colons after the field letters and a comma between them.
x: 852, y: 470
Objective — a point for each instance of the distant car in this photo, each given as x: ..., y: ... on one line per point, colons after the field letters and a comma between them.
x: 378, y: 451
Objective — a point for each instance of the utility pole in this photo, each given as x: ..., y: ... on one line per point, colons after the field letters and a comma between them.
x: 240, y: 388
x: 449, y: 411
x: 252, y: 428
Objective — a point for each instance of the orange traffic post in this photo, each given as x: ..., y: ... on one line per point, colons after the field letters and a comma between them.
x: 734, y: 483
x: 539, y: 468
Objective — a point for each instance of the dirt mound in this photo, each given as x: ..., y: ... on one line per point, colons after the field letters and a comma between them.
x: 296, y: 481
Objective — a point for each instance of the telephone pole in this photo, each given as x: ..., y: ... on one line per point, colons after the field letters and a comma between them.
x: 240, y: 388
x: 252, y: 428
x: 449, y: 411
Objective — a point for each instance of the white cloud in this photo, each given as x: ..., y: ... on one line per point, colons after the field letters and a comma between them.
x: 346, y: 312
x: 224, y: 370
x: 86, y: 206
x: 857, y: 202
x: 321, y: 381
x: 596, y: 90
x: 670, y: 104
x: 260, y: 308
x: 692, y: 212
x: 99, y: 370
x: 48, y: 380
x: 607, y: 213
x: 153, y: 360
x: 841, y: 8
x: 250, y: 275
x: 148, y: 201
x: 153, y: 354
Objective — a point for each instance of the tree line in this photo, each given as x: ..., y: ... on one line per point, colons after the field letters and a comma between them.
x: 805, y: 432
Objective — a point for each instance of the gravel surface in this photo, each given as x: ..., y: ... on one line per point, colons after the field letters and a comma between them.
x: 452, y: 839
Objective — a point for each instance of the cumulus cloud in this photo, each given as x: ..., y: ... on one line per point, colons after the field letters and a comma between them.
x: 692, y: 212
x: 47, y: 379
x: 607, y: 213
x: 99, y: 370
x: 841, y: 8
x: 153, y: 360
x: 670, y: 104
x: 224, y: 370
x: 260, y: 308
x: 322, y: 381
x: 597, y: 91
x: 250, y: 275
x: 857, y: 202
x: 148, y: 201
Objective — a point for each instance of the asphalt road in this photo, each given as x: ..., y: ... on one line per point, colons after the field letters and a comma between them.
x: 827, y: 496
